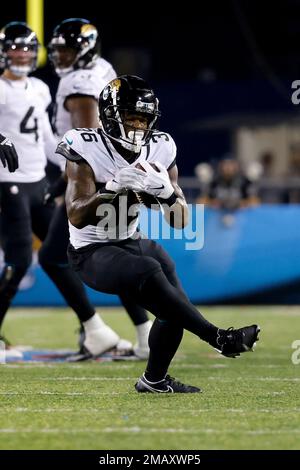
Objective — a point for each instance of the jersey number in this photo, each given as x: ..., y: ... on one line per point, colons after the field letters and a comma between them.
x: 24, y: 129
x: 89, y: 136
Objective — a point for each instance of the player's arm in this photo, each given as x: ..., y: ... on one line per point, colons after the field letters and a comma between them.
x: 177, y: 215
x: 8, y: 154
x: 82, y: 198
x: 83, y: 110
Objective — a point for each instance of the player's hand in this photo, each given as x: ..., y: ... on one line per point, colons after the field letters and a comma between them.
x: 157, y: 183
x: 8, y: 154
x: 127, y: 178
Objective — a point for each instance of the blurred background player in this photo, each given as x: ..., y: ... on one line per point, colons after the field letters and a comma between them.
x: 114, y: 161
x: 229, y: 190
x: 74, y: 51
x: 24, y: 119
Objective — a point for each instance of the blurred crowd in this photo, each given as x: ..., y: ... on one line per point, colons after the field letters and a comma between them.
x: 229, y: 186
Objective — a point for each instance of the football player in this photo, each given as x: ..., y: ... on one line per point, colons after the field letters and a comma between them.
x: 8, y: 154
x: 24, y: 119
x: 110, y: 165
x: 74, y: 50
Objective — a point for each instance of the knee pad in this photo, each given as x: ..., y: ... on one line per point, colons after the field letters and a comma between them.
x: 10, y: 279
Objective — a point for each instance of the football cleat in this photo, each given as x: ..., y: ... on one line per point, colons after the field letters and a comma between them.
x: 98, y: 342
x: 231, y: 342
x: 167, y: 385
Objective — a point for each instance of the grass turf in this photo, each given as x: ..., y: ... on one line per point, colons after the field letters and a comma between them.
x: 248, y: 403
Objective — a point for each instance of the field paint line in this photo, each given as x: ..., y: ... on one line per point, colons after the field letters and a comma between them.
x: 221, y: 366
x: 33, y: 365
x: 115, y: 366
x: 139, y: 430
x: 86, y: 378
x: 62, y: 393
x: 160, y: 410
x: 270, y: 379
x: 247, y: 377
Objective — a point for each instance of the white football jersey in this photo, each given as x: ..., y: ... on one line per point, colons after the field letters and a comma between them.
x: 24, y: 120
x: 88, y: 82
x: 96, y: 149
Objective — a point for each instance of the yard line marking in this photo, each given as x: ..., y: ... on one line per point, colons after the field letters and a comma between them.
x: 31, y: 365
x: 86, y: 378
x: 63, y: 393
x: 259, y: 379
x: 139, y: 430
x: 161, y: 409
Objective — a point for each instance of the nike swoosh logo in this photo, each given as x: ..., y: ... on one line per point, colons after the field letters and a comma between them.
x: 70, y: 142
x: 152, y: 389
x: 159, y: 187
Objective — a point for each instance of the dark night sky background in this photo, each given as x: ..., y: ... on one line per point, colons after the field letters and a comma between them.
x: 229, y: 56
x: 235, y: 39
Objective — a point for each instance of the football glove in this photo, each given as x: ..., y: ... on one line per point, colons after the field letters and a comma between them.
x: 8, y: 154
x: 127, y: 178
x: 157, y: 183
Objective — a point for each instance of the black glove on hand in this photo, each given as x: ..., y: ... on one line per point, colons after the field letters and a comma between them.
x: 8, y: 154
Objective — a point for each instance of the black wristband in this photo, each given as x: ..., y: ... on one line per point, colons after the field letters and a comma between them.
x: 170, y: 201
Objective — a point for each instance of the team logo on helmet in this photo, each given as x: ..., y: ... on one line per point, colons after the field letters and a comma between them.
x: 113, y: 88
x: 115, y: 84
x: 87, y: 29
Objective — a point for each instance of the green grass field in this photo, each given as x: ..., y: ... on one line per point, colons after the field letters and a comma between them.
x: 252, y: 402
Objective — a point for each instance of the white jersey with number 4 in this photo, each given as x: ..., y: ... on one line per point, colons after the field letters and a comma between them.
x: 96, y: 149
x: 24, y: 120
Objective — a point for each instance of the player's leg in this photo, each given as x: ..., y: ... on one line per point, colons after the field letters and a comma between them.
x: 16, y: 240
x: 165, y: 336
x: 115, y: 268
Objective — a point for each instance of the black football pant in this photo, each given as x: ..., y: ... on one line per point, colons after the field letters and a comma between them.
x: 23, y: 212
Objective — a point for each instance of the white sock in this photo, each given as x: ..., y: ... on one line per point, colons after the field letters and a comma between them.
x: 142, y: 332
x: 93, y: 323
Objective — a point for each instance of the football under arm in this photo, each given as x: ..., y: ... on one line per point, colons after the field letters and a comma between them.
x: 176, y: 215
x: 82, y: 197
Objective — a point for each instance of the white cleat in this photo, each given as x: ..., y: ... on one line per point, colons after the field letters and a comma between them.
x: 124, y: 345
x: 100, y: 340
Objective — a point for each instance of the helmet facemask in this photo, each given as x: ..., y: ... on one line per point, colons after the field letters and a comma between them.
x: 17, y: 43
x: 130, y: 137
